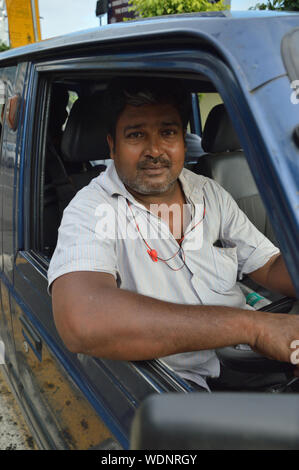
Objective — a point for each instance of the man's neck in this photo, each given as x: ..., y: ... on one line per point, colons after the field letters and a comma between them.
x: 174, y: 195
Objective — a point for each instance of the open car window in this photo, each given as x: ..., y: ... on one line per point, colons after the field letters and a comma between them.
x: 76, y: 151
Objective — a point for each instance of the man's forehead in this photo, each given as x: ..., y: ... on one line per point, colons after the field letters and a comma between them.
x: 162, y: 111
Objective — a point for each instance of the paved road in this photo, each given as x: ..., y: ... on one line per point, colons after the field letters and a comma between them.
x: 14, y: 434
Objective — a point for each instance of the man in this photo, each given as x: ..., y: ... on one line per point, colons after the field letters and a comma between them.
x: 127, y: 291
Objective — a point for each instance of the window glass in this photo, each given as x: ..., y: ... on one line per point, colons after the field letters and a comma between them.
x: 73, y: 96
x: 7, y: 77
x: 207, y: 101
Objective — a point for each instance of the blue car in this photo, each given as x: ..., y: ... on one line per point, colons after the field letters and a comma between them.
x: 242, y: 72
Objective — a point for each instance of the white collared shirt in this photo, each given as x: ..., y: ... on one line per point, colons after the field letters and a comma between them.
x: 98, y: 233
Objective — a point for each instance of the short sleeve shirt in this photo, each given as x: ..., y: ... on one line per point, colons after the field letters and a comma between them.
x: 101, y: 232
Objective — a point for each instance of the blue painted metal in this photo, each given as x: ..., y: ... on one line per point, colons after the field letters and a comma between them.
x: 22, y: 162
x: 196, y: 116
x: 249, y: 43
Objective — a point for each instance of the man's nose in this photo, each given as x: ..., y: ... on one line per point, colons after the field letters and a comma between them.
x: 154, y: 145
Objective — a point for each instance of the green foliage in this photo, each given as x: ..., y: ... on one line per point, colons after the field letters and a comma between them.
x: 289, y: 5
x: 3, y: 47
x: 149, y: 8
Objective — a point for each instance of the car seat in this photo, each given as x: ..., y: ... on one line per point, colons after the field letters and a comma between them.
x: 84, y: 140
x: 225, y: 162
x: 68, y: 159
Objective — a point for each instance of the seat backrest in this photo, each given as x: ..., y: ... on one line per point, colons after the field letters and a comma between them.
x: 84, y: 140
x: 84, y: 137
x: 225, y: 162
x: 68, y: 156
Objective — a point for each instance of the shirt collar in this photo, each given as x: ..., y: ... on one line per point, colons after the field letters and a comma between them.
x: 192, y: 184
x: 111, y: 183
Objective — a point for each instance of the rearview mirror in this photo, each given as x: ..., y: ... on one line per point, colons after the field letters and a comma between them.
x: 204, y: 421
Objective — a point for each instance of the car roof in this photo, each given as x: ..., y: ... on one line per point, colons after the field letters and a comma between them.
x: 248, y: 41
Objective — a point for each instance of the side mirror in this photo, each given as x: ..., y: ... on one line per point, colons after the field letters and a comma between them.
x: 208, y: 421
x: 13, y: 111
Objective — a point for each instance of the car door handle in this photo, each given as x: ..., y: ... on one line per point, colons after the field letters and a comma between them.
x: 31, y: 337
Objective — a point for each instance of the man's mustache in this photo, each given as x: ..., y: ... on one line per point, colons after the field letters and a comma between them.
x: 150, y: 161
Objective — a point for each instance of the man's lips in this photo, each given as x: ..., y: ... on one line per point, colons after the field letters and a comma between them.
x: 154, y: 167
x: 154, y: 170
x: 151, y: 165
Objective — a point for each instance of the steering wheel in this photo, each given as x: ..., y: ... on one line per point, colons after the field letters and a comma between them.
x: 242, y: 358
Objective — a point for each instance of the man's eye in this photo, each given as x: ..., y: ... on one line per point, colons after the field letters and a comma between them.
x: 134, y: 135
x: 169, y: 132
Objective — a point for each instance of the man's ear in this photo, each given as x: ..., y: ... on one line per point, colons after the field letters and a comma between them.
x: 111, y: 146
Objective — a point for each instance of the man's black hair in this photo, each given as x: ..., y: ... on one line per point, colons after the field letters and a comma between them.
x: 141, y: 91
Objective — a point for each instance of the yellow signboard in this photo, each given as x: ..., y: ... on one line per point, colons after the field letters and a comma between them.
x: 23, y: 22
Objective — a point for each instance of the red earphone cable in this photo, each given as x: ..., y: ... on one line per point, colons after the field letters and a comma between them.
x: 153, y: 253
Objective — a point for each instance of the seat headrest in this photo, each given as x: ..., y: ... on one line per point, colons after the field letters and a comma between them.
x: 219, y: 135
x: 84, y: 138
x: 193, y: 146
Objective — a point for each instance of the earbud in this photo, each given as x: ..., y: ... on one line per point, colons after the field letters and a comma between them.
x: 153, y: 254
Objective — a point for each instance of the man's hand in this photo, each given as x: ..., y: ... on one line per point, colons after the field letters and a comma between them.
x: 275, y: 333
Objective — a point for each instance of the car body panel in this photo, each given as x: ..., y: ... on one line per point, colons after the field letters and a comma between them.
x: 251, y: 48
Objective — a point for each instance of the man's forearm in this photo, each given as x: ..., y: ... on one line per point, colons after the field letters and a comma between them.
x: 119, y: 324
x: 94, y: 317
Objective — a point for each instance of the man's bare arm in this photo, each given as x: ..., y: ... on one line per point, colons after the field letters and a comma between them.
x: 94, y: 317
x: 274, y: 276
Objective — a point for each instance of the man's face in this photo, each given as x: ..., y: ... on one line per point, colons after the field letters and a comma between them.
x: 149, y: 148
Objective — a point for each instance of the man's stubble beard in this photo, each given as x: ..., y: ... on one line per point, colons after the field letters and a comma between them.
x: 142, y: 187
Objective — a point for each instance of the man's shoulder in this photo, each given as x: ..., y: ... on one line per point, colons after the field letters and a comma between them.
x: 197, y: 181
x: 90, y: 196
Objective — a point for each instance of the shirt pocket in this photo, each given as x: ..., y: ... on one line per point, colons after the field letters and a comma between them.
x: 226, y: 267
